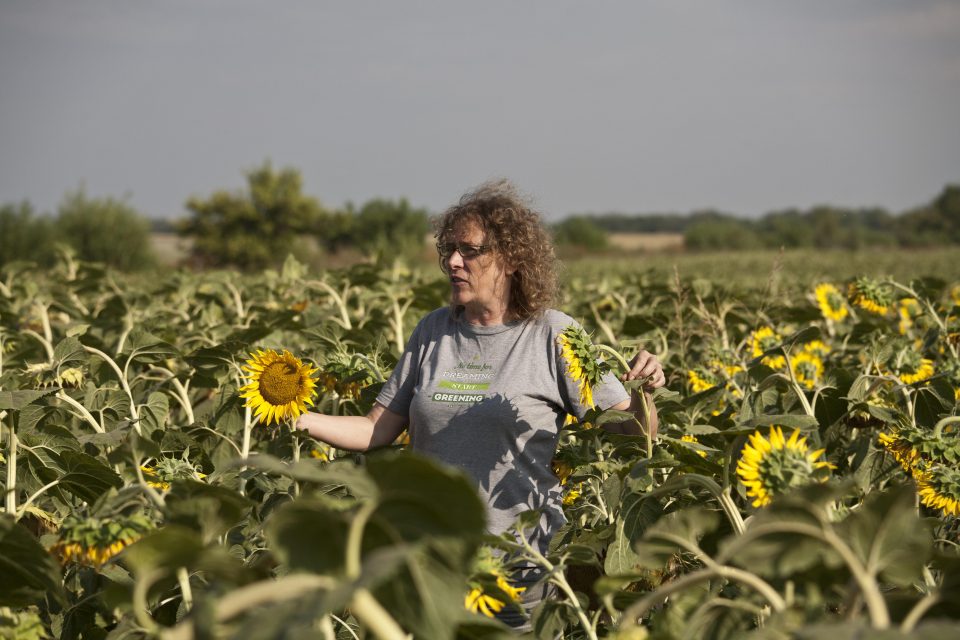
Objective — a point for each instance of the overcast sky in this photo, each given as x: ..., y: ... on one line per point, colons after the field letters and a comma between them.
x: 645, y: 106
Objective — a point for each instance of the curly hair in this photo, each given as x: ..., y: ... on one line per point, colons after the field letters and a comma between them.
x: 517, y: 234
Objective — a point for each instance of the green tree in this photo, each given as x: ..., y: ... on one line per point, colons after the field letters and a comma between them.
x: 390, y: 226
x: 104, y: 230
x: 24, y: 236
x: 254, y: 229
x: 717, y: 232
x: 580, y: 231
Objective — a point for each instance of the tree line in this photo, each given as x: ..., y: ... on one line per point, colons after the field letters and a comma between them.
x: 254, y: 228
x: 934, y: 224
x: 272, y: 217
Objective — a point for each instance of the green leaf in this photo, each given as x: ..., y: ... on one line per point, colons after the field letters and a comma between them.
x: 888, y: 536
x: 637, y: 514
x: 69, y: 350
x: 339, y: 473
x: 661, y: 542
x: 308, y: 535
x: 146, y: 347
x: 85, y: 476
x: 411, y: 503
x: 28, y: 573
x: 209, y: 509
x: 17, y: 400
x: 175, y: 546
x: 788, y: 421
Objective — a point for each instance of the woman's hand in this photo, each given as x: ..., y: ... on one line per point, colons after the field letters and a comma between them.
x: 646, y: 366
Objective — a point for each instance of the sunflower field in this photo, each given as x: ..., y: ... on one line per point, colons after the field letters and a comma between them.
x: 805, y: 481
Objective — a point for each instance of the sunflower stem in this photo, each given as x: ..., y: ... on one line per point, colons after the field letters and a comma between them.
x: 83, y: 411
x: 723, y: 497
x: 11, y: 497
x: 796, y: 385
x: 183, y: 578
x: 873, y: 598
x: 938, y: 429
x: 632, y: 615
x: 36, y: 494
x: 556, y: 575
x: 134, y: 414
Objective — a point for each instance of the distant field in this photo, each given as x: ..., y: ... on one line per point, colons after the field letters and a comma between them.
x: 647, y: 241
x: 661, y: 255
x: 796, y: 267
x: 169, y: 247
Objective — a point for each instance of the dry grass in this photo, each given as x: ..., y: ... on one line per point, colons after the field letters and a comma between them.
x: 647, y: 242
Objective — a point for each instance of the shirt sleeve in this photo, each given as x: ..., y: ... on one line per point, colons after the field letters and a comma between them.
x: 397, y: 392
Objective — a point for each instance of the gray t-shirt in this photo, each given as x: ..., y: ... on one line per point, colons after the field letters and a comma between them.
x: 491, y: 400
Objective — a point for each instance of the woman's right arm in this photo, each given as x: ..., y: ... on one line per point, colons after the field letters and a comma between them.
x: 378, y: 428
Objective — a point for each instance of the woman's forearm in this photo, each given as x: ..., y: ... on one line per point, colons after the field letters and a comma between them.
x: 378, y: 428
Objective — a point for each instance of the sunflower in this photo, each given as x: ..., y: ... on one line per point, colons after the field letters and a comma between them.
x: 817, y: 348
x: 916, y: 372
x: 166, y: 470
x: 687, y: 437
x: 562, y: 469
x: 902, y: 450
x: 764, y: 339
x: 955, y: 295
x: 571, y: 496
x: 93, y: 542
x: 939, y: 488
x: 583, y: 366
x: 830, y: 301
x: 478, y: 601
x: 907, y: 310
x: 870, y: 296
x: 700, y: 380
x: 807, y: 368
x: 279, y: 385
x: 770, y: 466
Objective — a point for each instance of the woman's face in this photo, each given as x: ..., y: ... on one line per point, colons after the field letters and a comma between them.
x: 480, y: 283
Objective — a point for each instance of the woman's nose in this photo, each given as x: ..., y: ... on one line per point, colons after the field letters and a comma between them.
x: 454, y: 260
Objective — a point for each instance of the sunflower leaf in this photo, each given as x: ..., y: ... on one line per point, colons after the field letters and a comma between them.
x: 27, y: 572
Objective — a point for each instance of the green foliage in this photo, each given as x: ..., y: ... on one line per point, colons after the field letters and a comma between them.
x: 254, y: 229
x: 24, y: 236
x: 237, y: 528
x: 104, y: 230
x: 388, y: 227
x: 580, y: 231
x: 717, y: 232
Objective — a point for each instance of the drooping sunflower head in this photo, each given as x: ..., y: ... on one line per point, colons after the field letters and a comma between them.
x: 345, y: 375
x: 689, y: 437
x: 870, y: 295
x: 582, y: 359
x: 94, y: 541
x: 489, y: 586
x: 166, y: 470
x: 912, y: 368
x: 939, y: 488
x: 807, y: 368
x: 918, y: 449
x: 831, y: 302
x: 479, y: 602
x: 770, y: 466
x: 279, y: 385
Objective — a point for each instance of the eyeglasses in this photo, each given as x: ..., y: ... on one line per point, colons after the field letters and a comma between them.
x: 446, y: 249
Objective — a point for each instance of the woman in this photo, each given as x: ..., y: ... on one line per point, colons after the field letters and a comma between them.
x: 483, y: 384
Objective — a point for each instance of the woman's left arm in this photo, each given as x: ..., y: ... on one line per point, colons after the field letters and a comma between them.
x: 646, y: 366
